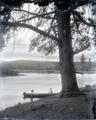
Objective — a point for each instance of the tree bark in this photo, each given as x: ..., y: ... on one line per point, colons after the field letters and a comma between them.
x: 67, y: 69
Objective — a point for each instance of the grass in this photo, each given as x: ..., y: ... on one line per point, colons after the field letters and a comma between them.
x: 52, y: 108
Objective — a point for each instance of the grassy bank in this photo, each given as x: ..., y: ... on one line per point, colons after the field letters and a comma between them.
x: 52, y: 108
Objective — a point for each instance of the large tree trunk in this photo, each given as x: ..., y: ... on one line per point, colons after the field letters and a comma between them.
x: 67, y: 69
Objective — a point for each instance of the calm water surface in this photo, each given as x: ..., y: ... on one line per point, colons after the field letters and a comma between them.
x: 12, y: 88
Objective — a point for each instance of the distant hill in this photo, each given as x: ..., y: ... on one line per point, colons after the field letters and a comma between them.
x: 29, y: 66
x: 24, y: 66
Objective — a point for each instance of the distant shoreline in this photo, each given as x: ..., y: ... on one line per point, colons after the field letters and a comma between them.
x: 14, y: 68
x: 42, y: 72
x: 5, y: 75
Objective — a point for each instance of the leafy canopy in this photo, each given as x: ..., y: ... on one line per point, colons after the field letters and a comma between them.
x: 46, y: 39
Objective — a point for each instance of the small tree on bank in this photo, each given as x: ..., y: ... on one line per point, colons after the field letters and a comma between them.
x: 61, y: 35
x: 82, y: 59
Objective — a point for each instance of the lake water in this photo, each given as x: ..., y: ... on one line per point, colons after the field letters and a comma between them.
x: 12, y: 88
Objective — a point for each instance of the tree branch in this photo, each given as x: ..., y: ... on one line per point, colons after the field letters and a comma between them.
x: 74, y: 3
x: 28, y: 19
x: 77, y: 2
x: 37, y: 15
x: 81, y: 49
x: 22, y: 25
x: 80, y: 18
x: 77, y: 26
x: 45, y: 15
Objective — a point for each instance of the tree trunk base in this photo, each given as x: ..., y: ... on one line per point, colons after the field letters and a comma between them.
x: 71, y: 94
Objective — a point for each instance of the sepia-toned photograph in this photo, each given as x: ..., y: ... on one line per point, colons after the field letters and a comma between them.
x: 47, y: 59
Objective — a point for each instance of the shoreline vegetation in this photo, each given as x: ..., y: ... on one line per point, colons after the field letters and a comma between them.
x: 21, y: 73
x: 14, y: 68
x: 6, y: 73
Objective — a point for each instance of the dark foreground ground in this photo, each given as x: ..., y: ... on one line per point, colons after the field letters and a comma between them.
x: 52, y: 108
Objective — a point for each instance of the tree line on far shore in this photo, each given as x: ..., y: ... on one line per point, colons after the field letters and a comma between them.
x: 85, y: 64
x: 15, y: 67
